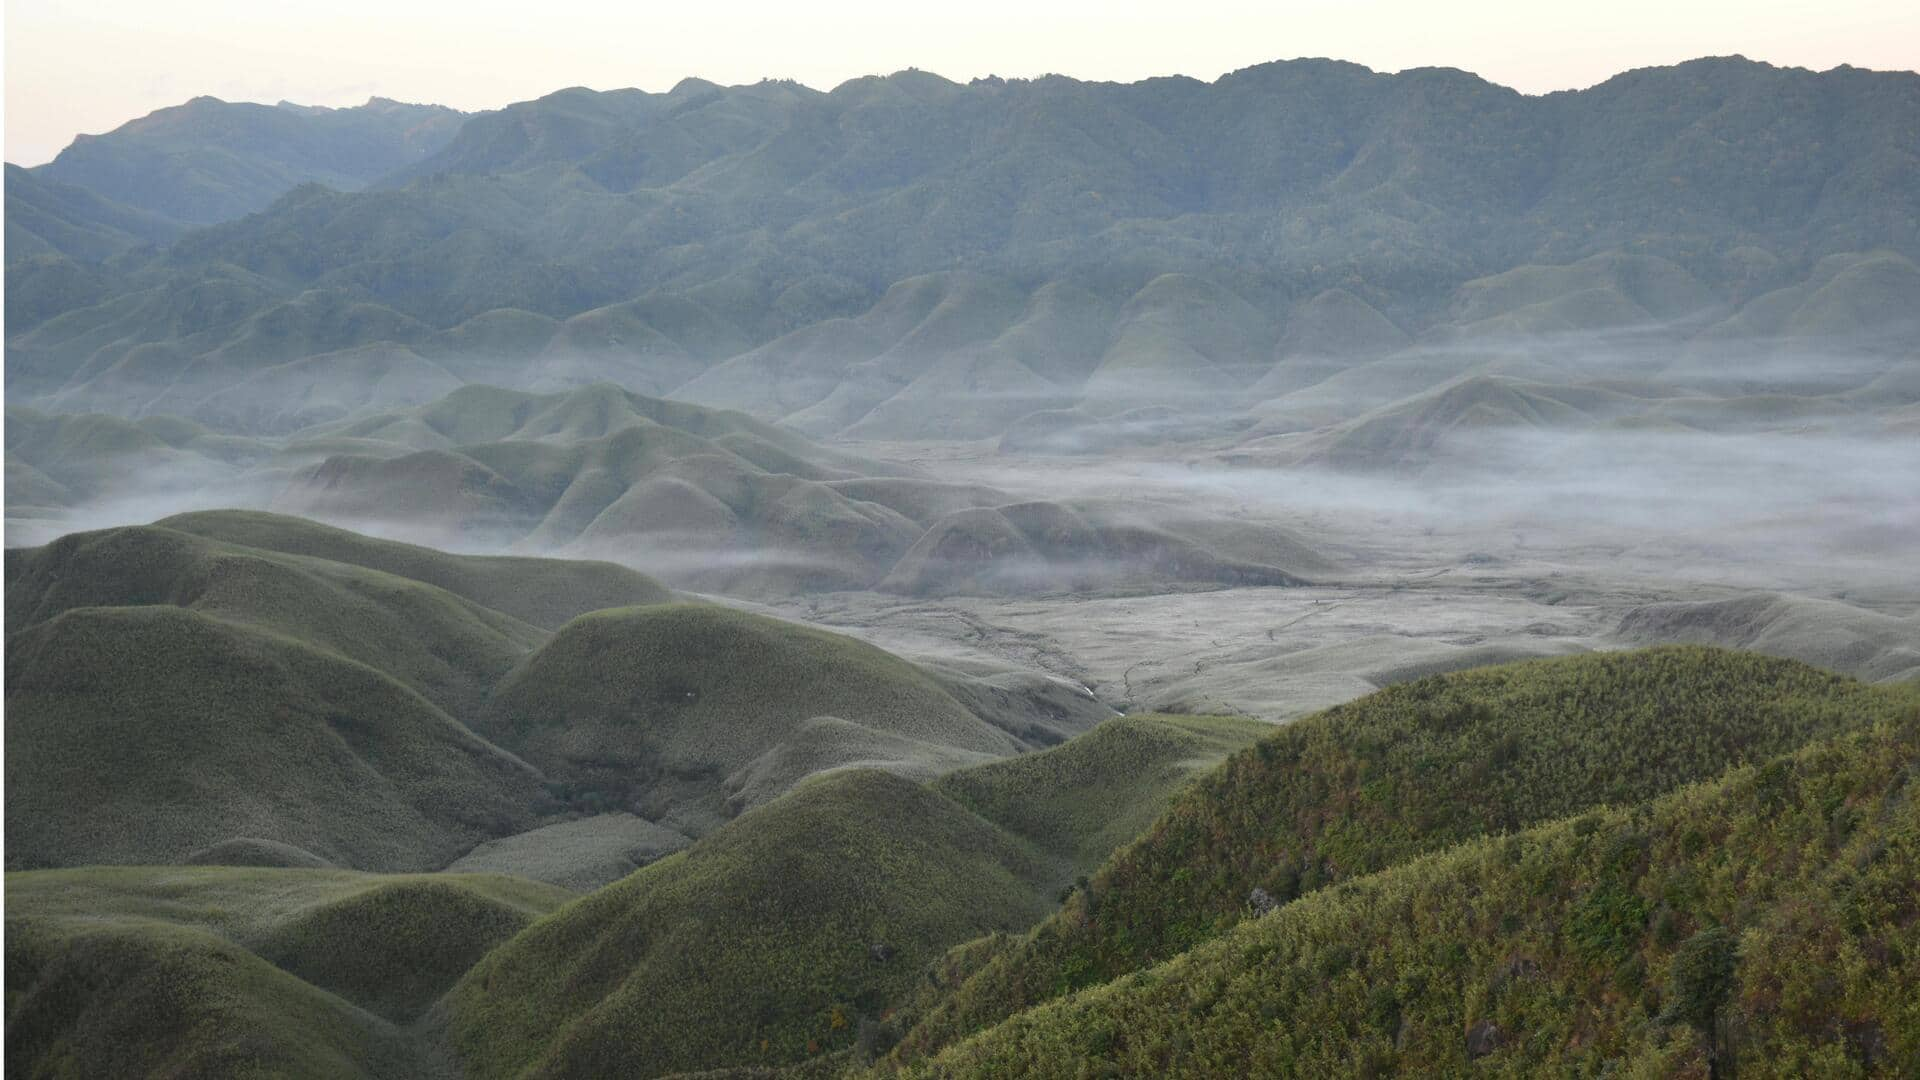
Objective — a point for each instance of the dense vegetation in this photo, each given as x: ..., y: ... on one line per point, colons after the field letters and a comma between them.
x: 1759, y: 924
x: 1409, y: 770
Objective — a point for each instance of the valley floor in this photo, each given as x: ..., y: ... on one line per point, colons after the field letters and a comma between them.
x: 1417, y: 591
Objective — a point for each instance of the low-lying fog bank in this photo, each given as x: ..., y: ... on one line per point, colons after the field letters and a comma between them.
x: 1801, y: 546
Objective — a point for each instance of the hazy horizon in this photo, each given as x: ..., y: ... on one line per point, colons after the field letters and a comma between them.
x: 71, y: 72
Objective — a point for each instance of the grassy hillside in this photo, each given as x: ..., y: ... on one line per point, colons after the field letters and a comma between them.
x: 1760, y: 924
x: 143, y: 734
x: 232, y: 972
x: 692, y: 713
x: 390, y: 944
x: 543, y: 592
x: 777, y: 938
x: 1402, y: 772
x: 449, y: 650
x: 184, y: 1002
x: 789, y: 935
x: 1081, y: 800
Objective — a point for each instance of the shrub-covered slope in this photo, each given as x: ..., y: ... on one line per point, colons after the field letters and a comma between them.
x: 448, y: 650
x: 1761, y: 924
x: 1402, y: 772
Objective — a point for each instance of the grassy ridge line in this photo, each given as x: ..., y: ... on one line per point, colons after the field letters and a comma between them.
x: 1405, y: 771
x: 1765, y: 922
x: 543, y: 592
x: 443, y: 646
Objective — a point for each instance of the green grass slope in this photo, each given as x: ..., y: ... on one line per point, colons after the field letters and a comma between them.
x: 543, y: 592
x: 125, y: 971
x: 774, y: 939
x: 581, y: 855
x: 447, y: 649
x: 678, y: 710
x: 1402, y: 772
x: 86, y: 999
x: 804, y: 922
x: 1081, y: 800
x: 144, y: 734
x: 390, y: 944
x: 1762, y: 924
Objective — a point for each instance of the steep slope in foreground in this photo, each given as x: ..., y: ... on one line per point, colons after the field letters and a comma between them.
x: 137, y: 971
x: 1762, y: 924
x: 1402, y: 772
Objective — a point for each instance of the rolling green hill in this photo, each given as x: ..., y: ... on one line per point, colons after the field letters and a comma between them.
x: 233, y: 686
x: 542, y: 592
x: 763, y: 944
x: 784, y: 936
x: 1408, y: 770
x: 241, y: 972
x: 143, y: 734
x: 714, y: 500
x: 694, y: 713
x: 1080, y: 801
x: 1759, y: 924
x: 230, y: 678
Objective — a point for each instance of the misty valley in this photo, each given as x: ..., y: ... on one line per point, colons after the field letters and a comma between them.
x: 1319, y: 572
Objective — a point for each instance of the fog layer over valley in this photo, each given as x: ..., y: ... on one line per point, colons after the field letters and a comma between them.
x: 1434, y: 508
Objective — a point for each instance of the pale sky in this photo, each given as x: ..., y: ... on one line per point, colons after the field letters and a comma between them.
x: 89, y: 65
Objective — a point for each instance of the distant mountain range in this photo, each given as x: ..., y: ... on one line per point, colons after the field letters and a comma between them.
x: 909, y: 257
